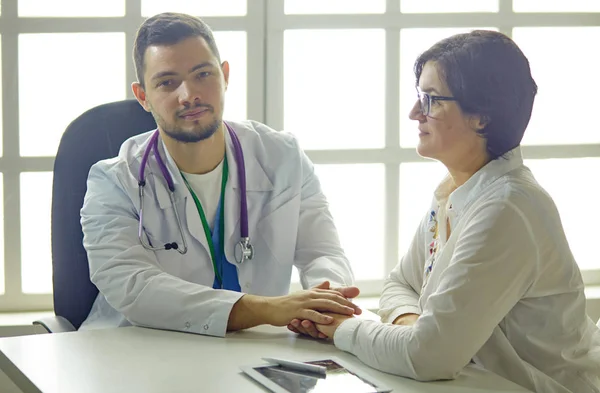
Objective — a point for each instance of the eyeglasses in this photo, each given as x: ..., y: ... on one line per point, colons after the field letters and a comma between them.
x: 426, y: 99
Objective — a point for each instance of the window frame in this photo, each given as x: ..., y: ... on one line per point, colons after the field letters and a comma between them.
x: 12, y: 164
x: 392, y: 155
x: 264, y: 23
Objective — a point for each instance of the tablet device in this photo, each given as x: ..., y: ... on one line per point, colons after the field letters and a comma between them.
x: 340, y: 377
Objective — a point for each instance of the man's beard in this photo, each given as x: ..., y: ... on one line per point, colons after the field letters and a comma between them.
x: 197, y: 134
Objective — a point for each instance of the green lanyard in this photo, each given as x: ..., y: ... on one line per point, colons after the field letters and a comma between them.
x: 205, y: 225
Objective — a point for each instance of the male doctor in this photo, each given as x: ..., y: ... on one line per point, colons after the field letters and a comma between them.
x: 182, y: 82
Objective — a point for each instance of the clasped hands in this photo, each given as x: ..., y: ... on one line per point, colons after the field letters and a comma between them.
x: 327, y: 329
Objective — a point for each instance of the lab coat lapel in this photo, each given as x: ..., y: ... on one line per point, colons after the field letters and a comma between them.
x: 194, y: 223
x: 191, y: 217
x: 232, y: 202
x: 256, y: 181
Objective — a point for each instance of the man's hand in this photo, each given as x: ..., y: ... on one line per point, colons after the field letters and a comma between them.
x: 307, y: 327
x: 329, y: 329
x: 406, y: 319
x: 307, y: 305
x: 252, y: 310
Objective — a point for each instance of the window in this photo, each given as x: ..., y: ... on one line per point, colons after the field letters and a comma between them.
x: 356, y: 196
x: 233, y: 49
x: 55, y: 70
x: 441, y: 6
x: 70, y: 8
x: 555, y: 118
x: 345, y: 77
x: 556, y: 6
x: 36, y: 262
x: 1, y: 237
x: 65, y: 73
x: 1, y: 97
x: 317, y: 101
x: 205, y: 8
x: 334, y: 6
x: 337, y: 73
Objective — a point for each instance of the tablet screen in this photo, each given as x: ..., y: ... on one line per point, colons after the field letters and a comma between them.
x: 338, y: 379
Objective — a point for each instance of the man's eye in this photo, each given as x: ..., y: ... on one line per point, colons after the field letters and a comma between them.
x: 203, y: 74
x: 165, y: 83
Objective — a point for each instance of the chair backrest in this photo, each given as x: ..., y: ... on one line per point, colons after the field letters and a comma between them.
x: 95, y: 135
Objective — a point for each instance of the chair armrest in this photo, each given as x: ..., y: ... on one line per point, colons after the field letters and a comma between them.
x: 56, y: 324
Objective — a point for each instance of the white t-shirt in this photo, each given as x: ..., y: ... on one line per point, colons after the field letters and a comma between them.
x: 207, y: 188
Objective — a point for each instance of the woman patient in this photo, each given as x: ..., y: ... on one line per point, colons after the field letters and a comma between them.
x: 489, y: 276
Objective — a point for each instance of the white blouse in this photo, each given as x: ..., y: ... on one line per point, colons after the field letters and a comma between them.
x: 502, y: 290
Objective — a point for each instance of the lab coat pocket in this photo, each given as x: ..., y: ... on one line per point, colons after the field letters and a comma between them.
x: 277, y: 202
x: 279, y: 230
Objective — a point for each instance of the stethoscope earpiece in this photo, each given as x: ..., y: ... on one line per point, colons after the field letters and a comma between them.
x: 171, y: 246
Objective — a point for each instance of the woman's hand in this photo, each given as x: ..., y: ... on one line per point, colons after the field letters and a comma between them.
x: 329, y: 329
x: 406, y: 319
x: 308, y: 328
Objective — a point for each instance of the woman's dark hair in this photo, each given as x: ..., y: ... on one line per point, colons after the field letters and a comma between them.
x: 489, y: 76
x: 168, y: 28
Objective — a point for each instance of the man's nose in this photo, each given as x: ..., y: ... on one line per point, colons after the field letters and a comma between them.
x: 188, y: 94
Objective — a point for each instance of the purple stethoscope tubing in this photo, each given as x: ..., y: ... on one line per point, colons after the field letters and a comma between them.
x: 244, y: 249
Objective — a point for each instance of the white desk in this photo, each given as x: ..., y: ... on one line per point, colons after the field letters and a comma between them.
x: 145, y: 360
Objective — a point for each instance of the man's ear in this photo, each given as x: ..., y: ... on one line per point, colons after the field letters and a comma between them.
x: 140, y: 95
x: 225, y: 69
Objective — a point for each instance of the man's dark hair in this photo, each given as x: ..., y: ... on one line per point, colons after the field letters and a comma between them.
x: 168, y: 28
x: 489, y: 76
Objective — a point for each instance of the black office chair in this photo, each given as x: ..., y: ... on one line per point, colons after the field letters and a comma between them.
x: 95, y: 135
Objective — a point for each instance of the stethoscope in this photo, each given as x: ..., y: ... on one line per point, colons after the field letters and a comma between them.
x: 243, y: 250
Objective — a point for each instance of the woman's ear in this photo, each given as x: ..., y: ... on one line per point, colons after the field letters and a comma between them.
x: 479, y: 122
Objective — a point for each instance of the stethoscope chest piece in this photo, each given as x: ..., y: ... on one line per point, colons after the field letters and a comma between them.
x: 243, y: 251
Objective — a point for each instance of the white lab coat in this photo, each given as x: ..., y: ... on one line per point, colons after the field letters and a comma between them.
x: 504, y: 291
x: 289, y: 225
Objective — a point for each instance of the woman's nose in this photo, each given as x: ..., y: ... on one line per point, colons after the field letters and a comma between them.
x: 416, y: 113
